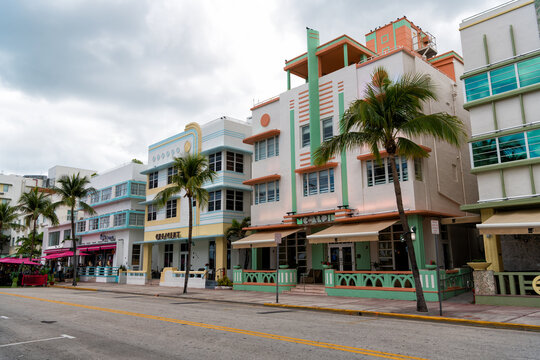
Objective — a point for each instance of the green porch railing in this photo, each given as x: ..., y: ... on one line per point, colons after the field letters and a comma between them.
x: 515, y: 283
x: 396, y: 284
x: 263, y: 280
x: 102, y: 271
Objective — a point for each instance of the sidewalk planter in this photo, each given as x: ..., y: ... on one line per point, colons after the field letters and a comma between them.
x: 122, y: 277
x: 431, y: 266
x: 173, y: 277
x: 397, y: 285
x: 264, y: 280
x: 135, y: 277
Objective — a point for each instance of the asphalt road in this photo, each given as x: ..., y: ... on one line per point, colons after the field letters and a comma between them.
x: 52, y: 323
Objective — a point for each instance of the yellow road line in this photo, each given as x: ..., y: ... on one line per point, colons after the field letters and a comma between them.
x: 331, y: 346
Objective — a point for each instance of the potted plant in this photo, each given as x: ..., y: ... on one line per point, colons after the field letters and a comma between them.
x: 224, y: 283
x: 479, y: 264
x: 326, y: 265
x: 432, y: 265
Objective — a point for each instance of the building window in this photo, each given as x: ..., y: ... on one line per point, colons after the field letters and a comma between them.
x: 503, y: 79
x: 138, y: 189
x: 54, y: 238
x: 267, y: 192
x: 81, y: 226
x: 392, y: 253
x: 327, y: 129
x: 93, y: 224
x: 234, y: 200
x: 418, y: 169
x: 67, y: 234
x: 508, y: 148
x: 94, y: 197
x: 214, y: 200
x: 214, y: 161
x: 171, y: 172
x: 235, y: 162
x: 152, y: 213
x: 136, y: 256
x: 170, y: 209
x: 136, y: 219
x: 106, y: 194
x: 68, y: 216
x: 5, y: 187
x: 120, y: 190
x: 153, y: 180
x: 183, y: 256
x: 267, y: 148
x: 168, y: 255
x: 304, y: 133
x: 104, y: 222
x: 119, y: 219
x: 378, y: 174
x: 319, y: 182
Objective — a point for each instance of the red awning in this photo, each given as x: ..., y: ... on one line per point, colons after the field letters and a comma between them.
x: 55, y: 251
x: 107, y: 247
x: 64, y: 254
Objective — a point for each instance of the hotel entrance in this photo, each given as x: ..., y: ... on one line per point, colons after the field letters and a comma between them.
x: 341, y: 256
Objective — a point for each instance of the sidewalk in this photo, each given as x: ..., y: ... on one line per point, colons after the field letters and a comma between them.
x: 458, y: 309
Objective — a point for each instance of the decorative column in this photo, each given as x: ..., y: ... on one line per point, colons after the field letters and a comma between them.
x: 147, y: 260
x: 221, y: 257
x: 492, y: 245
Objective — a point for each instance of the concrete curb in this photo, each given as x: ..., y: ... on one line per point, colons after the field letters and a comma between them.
x: 438, y: 319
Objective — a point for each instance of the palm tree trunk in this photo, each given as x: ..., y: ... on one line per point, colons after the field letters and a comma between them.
x: 190, y: 231
x: 33, y: 239
x: 74, y: 247
x: 420, y: 301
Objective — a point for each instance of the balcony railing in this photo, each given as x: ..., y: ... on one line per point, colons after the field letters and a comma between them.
x: 516, y: 283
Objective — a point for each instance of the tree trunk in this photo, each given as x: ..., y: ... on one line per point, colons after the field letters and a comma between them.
x: 33, y: 239
x: 420, y: 301
x: 190, y: 231
x: 74, y: 247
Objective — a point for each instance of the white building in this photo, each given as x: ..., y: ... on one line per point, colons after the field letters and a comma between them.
x: 166, y: 228
x: 501, y: 48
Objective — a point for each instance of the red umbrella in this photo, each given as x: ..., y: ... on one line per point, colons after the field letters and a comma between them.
x: 25, y: 261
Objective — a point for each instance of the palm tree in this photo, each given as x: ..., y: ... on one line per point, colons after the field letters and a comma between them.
x: 32, y: 205
x: 8, y: 217
x: 389, y: 116
x: 192, y: 173
x: 236, y: 231
x: 29, y: 244
x: 71, y: 190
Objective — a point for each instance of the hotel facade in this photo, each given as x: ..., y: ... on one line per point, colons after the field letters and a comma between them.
x: 501, y: 48
x: 166, y: 228
x: 342, y: 215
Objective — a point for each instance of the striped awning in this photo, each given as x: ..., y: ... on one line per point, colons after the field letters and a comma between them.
x: 261, y: 239
x: 368, y: 231
x: 512, y: 222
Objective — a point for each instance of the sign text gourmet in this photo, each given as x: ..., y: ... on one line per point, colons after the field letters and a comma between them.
x: 169, y: 235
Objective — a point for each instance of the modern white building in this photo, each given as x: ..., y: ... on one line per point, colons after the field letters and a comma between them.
x: 107, y: 237
x: 501, y: 48
x: 165, y: 231
x: 344, y: 212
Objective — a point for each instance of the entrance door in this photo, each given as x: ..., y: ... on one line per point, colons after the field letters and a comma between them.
x: 341, y: 256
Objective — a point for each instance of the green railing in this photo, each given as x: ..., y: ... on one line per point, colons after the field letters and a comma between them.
x: 263, y: 280
x: 396, y: 284
x: 515, y: 283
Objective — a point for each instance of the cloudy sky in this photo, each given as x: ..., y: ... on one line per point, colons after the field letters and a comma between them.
x: 91, y: 84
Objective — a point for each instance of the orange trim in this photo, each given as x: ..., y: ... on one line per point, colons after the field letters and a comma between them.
x: 375, y: 272
x: 304, y: 110
x: 316, y: 168
x: 262, y: 179
x: 327, y: 88
x: 383, y: 153
x: 326, y: 103
x: 264, y: 103
x: 303, y: 120
x: 325, y: 108
x: 306, y: 153
x: 266, y: 284
x: 261, y: 136
x: 303, y: 92
x: 392, y: 215
x: 324, y: 94
x: 327, y: 113
x: 302, y: 115
x: 373, y: 288
x: 325, y: 212
x: 303, y: 101
x: 326, y: 83
x: 328, y: 97
x: 305, y: 164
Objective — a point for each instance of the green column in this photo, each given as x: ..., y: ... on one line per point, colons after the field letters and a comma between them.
x: 416, y: 220
x: 345, y: 55
x: 313, y: 86
x: 344, y: 182
x: 255, y: 258
x: 293, y: 160
x: 288, y: 79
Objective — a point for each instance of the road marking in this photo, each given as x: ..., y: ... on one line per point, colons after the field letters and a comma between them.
x: 331, y: 346
x: 3, y: 317
x: 63, y: 336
